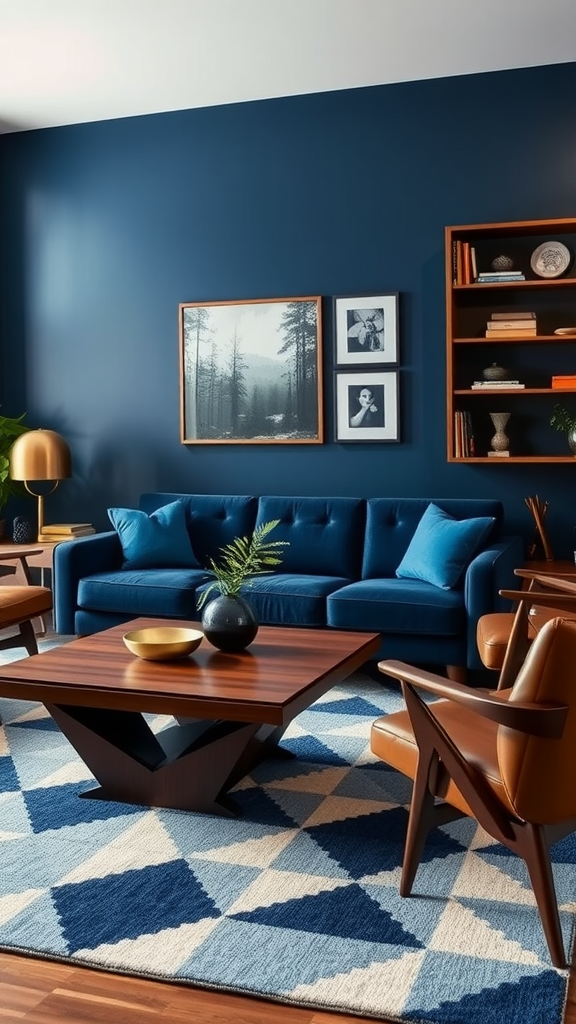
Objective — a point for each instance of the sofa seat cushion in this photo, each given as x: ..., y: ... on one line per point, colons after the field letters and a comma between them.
x: 397, y: 606
x: 291, y: 599
x: 165, y: 592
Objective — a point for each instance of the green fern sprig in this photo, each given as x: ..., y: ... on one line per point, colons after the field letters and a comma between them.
x: 242, y: 559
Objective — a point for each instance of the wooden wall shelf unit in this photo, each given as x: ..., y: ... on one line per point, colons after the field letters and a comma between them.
x: 531, y: 358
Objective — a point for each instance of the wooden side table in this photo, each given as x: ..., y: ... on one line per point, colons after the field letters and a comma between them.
x: 563, y: 569
x: 25, y: 556
x: 556, y: 567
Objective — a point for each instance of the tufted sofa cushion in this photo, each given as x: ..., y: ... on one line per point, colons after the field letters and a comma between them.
x: 325, y: 535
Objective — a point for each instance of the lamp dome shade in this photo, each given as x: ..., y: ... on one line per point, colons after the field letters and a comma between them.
x: 40, y: 455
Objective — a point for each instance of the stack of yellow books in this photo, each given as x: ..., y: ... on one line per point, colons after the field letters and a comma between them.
x: 65, y: 531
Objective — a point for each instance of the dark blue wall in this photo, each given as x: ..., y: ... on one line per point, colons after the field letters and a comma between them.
x: 106, y: 227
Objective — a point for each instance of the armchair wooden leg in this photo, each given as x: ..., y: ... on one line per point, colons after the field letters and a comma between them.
x: 534, y: 850
x: 420, y: 822
x: 426, y: 813
x: 25, y: 637
x: 29, y: 637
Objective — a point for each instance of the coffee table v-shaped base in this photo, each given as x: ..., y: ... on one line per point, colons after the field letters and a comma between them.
x: 189, y: 766
x: 228, y: 711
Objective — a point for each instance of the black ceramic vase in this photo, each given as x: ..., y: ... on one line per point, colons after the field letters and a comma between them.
x: 22, y: 532
x: 229, y: 624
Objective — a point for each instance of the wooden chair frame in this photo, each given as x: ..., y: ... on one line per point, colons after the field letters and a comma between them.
x: 439, y: 757
x: 544, y: 591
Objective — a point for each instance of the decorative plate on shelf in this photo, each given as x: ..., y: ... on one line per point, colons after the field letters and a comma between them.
x: 550, y: 259
x: 565, y: 330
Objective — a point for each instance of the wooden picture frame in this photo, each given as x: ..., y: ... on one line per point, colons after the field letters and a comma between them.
x: 251, y: 371
x: 366, y: 406
x: 366, y: 330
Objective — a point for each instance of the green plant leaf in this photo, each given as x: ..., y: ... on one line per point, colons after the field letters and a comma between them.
x: 10, y: 428
x: 562, y: 419
x: 242, y: 559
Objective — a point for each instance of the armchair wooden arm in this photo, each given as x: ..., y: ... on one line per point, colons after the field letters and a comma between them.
x: 545, y: 720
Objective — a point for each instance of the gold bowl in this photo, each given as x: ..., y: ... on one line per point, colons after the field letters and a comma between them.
x: 162, y: 643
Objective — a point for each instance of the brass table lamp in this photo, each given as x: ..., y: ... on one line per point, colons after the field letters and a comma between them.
x: 40, y: 455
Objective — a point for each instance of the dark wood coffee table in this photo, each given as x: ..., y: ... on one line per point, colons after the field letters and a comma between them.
x: 230, y: 710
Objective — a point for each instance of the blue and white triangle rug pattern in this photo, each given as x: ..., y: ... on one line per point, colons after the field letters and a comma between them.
x: 296, y: 900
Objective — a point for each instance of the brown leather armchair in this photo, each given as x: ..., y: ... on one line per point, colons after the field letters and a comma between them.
x: 505, y: 758
x: 503, y: 638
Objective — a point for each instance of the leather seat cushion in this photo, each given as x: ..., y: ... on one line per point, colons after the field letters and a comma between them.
x: 20, y: 603
x: 492, y: 635
x: 392, y: 740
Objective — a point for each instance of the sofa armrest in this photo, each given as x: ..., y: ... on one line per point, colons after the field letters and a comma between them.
x: 72, y: 561
x: 485, y: 576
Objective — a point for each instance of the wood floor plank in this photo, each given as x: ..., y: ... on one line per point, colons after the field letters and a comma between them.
x: 45, y: 992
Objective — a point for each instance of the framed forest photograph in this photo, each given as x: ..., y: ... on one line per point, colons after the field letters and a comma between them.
x: 250, y: 371
x: 366, y: 329
x: 366, y: 406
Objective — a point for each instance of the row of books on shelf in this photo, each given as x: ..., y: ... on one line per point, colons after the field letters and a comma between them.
x: 65, y: 531
x: 465, y: 269
x: 463, y: 435
x: 500, y: 277
x: 495, y: 385
x: 507, y: 325
x: 560, y: 382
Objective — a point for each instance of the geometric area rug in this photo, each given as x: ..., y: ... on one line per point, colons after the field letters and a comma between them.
x: 296, y: 900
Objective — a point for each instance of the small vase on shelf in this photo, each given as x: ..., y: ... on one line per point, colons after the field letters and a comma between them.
x: 500, y: 441
x: 495, y: 372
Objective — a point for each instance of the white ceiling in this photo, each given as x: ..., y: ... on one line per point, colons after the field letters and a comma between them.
x: 70, y: 61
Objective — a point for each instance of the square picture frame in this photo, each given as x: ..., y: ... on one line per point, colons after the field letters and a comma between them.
x: 251, y: 371
x: 366, y: 406
x: 366, y: 329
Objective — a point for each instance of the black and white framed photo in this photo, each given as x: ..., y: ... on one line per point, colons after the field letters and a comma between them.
x: 366, y: 329
x: 366, y: 406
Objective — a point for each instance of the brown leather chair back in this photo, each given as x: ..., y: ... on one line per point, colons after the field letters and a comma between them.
x: 540, y: 774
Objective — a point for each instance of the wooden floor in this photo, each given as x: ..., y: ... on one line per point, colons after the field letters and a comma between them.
x: 43, y: 992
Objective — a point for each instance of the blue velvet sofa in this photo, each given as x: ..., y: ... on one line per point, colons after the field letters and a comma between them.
x: 339, y: 571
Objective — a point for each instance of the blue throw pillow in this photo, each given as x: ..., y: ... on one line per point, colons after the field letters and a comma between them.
x: 156, y: 541
x: 442, y: 547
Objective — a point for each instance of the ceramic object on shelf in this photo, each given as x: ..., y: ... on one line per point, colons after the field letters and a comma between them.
x: 500, y: 442
x: 495, y: 372
x: 550, y: 259
x: 502, y: 263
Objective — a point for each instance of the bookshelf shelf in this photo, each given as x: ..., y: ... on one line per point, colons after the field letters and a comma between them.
x: 559, y: 339
x: 515, y: 391
x: 547, y: 305
x: 547, y: 459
